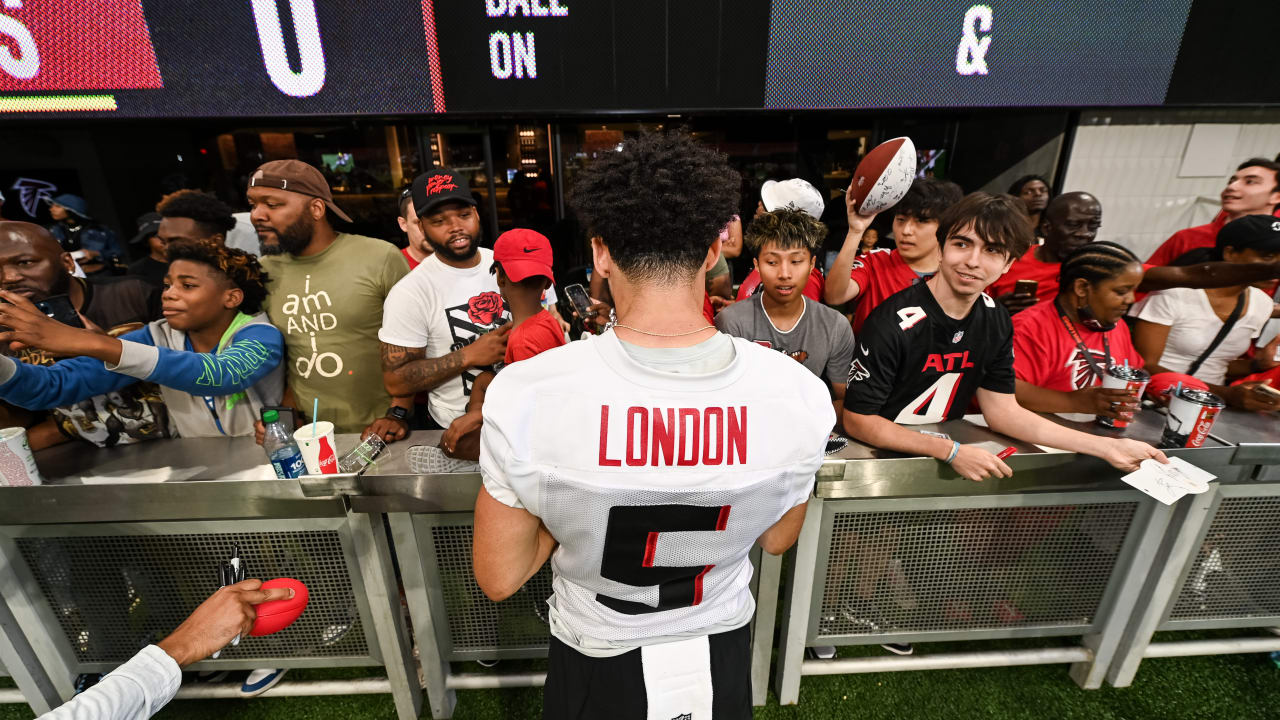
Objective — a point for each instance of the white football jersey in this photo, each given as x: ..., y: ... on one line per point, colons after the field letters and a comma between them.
x: 655, y: 484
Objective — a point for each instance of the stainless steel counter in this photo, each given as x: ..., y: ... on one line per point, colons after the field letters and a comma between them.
x: 229, y: 477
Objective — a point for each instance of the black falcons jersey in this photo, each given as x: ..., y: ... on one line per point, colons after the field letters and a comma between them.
x: 915, y: 365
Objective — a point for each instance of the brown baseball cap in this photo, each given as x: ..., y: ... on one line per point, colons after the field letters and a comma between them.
x: 296, y: 176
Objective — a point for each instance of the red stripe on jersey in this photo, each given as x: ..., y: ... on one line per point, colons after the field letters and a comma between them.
x: 724, y: 518
x: 697, y: 584
x: 650, y: 549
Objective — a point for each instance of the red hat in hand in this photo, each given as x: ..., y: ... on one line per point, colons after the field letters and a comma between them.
x: 1163, y: 383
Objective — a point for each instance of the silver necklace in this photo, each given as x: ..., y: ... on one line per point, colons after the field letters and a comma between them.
x: 654, y: 334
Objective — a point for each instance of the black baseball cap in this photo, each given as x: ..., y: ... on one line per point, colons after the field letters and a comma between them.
x: 1256, y: 232
x: 440, y: 186
x: 147, y: 226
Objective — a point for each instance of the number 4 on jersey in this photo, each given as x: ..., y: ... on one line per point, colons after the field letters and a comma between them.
x: 932, y: 405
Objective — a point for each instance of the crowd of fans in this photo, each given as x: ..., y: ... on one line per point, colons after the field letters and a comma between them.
x: 1003, y: 304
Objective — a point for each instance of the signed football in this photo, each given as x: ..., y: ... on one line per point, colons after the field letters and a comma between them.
x: 883, y: 176
x: 276, y: 615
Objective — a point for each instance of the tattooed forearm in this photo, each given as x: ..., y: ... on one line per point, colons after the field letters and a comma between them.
x: 406, y: 371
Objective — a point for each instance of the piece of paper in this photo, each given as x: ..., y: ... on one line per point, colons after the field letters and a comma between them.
x: 1169, y: 482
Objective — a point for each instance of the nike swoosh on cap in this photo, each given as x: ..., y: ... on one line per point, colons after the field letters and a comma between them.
x: 529, y: 250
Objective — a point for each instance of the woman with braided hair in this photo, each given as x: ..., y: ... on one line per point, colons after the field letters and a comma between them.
x: 214, y: 354
x: 1060, y: 348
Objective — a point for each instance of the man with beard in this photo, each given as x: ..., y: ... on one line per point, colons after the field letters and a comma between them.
x: 441, y: 325
x: 325, y: 294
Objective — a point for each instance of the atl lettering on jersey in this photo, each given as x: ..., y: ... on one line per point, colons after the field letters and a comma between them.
x: 672, y: 437
x: 947, y: 362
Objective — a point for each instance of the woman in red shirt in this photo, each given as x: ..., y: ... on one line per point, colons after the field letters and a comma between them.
x: 1061, y: 348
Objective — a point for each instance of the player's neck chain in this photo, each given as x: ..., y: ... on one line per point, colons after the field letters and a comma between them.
x: 654, y: 334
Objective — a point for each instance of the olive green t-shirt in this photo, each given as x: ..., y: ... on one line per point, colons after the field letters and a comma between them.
x: 329, y: 307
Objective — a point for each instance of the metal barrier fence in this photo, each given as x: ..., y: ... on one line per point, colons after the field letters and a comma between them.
x: 91, y: 573
x: 1218, y: 568
x: 900, y: 551
x: 893, y: 549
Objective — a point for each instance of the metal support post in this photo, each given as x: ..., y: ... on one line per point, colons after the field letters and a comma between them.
x: 1130, y: 573
x: 374, y: 557
x: 795, y: 614
x: 767, y: 578
x: 435, y: 667
x: 1191, y: 515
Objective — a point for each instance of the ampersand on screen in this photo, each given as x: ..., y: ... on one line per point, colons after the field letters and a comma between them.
x: 971, y: 54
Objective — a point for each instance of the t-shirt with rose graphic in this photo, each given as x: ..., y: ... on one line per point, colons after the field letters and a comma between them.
x: 443, y: 308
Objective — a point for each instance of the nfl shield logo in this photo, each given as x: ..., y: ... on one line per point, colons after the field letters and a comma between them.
x: 956, y: 338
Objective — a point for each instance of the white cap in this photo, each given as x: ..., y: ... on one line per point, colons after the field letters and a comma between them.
x: 796, y: 194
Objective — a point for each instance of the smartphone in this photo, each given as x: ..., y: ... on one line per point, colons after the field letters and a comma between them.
x: 59, y: 308
x: 581, y: 301
x: 1026, y: 287
x: 287, y: 416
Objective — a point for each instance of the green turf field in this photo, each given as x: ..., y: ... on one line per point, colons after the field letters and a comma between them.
x: 1230, y: 687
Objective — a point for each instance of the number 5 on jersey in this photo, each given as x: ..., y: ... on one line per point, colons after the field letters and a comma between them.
x: 631, y: 546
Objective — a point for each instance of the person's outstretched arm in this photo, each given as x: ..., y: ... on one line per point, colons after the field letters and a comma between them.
x: 840, y: 287
x: 1005, y: 416
x: 149, y: 680
x: 1207, y: 275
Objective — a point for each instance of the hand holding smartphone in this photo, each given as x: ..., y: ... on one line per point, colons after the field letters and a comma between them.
x: 580, y: 299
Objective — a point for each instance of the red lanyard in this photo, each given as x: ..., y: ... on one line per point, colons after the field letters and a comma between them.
x: 1084, y: 350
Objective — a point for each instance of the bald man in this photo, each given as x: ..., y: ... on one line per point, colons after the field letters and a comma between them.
x: 1068, y: 222
x: 1072, y: 220
x: 34, y: 265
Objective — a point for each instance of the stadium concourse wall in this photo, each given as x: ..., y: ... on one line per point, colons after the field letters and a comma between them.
x: 1159, y: 171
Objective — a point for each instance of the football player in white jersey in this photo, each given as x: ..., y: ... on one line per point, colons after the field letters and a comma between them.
x: 926, y: 351
x: 648, y: 461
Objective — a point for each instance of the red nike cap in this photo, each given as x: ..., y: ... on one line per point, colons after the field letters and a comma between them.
x: 523, y: 253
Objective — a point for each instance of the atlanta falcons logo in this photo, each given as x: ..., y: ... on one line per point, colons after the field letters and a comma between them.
x: 1082, y: 376
x: 32, y: 192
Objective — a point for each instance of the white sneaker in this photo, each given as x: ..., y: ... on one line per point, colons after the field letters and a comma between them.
x: 260, y: 681
x: 431, y: 460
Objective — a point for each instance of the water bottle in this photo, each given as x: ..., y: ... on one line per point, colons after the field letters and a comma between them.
x: 286, y: 458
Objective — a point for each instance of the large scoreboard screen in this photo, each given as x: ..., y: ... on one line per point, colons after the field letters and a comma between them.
x: 266, y: 58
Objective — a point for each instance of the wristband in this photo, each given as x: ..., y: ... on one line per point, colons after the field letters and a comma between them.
x: 955, y: 450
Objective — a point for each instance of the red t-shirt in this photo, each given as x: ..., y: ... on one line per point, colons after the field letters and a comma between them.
x: 1186, y: 240
x: 812, y: 288
x: 1029, y: 267
x: 1045, y: 355
x: 412, y: 263
x: 879, y: 274
x: 537, y: 334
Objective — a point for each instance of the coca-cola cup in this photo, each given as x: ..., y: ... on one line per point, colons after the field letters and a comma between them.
x: 319, y: 451
x: 1191, y: 416
x: 17, y: 464
x: 1123, y: 377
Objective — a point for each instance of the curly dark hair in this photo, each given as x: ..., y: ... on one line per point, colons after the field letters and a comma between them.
x: 1016, y: 187
x: 788, y: 229
x: 658, y: 204
x: 211, y: 214
x: 237, y: 266
x: 927, y: 198
x: 999, y: 220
